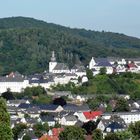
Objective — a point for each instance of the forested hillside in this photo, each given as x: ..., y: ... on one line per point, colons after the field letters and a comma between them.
x: 26, y: 45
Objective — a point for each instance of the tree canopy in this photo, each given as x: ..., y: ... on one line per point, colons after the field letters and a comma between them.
x: 72, y: 133
x: 5, y: 129
x: 27, y: 44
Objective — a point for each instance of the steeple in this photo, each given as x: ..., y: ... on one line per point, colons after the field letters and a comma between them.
x: 53, y: 59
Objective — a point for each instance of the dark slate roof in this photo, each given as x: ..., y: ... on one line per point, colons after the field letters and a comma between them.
x: 115, y: 122
x: 61, y: 66
x: 47, y: 118
x: 74, y: 108
x: 33, y: 110
x: 25, y: 106
x: 39, y: 78
x: 48, y: 107
x: 103, y: 62
x: 13, y: 77
x: 77, y: 66
x: 115, y: 125
x: 70, y: 118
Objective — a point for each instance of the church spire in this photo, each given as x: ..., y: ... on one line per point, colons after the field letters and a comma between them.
x: 53, y: 59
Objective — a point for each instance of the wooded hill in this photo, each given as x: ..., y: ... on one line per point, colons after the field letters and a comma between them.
x: 26, y: 45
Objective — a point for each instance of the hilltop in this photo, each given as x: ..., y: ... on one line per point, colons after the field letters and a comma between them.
x: 26, y: 44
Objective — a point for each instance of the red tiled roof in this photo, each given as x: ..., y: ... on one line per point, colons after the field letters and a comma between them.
x: 57, y: 131
x: 132, y: 65
x: 92, y: 114
x: 47, y: 137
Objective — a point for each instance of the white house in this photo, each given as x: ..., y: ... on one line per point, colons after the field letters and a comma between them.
x: 68, y: 120
x: 128, y: 117
x: 15, y: 82
x: 98, y: 63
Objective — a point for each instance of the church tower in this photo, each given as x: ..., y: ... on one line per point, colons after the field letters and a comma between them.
x: 92, y: 63
x: 52, y: 63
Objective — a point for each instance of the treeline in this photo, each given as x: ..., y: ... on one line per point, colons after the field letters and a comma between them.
x: 26, y: 45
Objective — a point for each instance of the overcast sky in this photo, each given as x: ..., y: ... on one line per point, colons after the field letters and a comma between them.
x: 121, y: 16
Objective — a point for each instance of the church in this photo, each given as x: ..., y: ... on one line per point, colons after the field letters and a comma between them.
x: 55, y: 67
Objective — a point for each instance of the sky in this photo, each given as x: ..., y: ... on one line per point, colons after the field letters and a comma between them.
x: 122, y: 16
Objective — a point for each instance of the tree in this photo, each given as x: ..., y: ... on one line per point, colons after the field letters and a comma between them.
x: 103, y: 70
x: 135, y: 129
x: 122, y: 105
x: 89, y: 74
x: 89, y: 127
x: 126, y: 135
x: 97, y: 134
x: 40, y: 128
x: 72, y: 133
x: 8, y: 95
x: 34, y: 91
x: 59, y: 101
x: 5, y: 129
x: 46, y: 126
x: 26, y: 137
x: 93, y: 104
x: 112, y: 136
x: 18, y: 129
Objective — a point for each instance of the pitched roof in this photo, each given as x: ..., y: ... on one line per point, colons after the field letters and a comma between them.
x: 92, y: 114
x: 57, y: 131
x: 48, y: 107
x: 47, y: 137
x: 70, y: 118
x: 13, y: 77
x: 132, y: 65
x: 61, y: 66
x: 74, y: 108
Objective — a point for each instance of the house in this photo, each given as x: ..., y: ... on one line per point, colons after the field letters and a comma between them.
x: 50, y: 108
x: 128, y: 117
x: 131, y: 67
x: 88, y: 115
x: 55, y: 132
x: 98, y: 63
x: 49, y: 119
x: 114, y: 124
x: 52, y: 134
x: 119, y: 61
x: 119, y: 68
x: 33, y: 112
x: 16, y: 103
x: 68, y: 120
x: 76, y: 108
x: 15, y: 82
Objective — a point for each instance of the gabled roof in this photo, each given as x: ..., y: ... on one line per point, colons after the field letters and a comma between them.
x: 70, y: 118
x: 75, y: 108
x: 61, y: 66
x: 13, y: 77
x: 47, y: 137
x: 48, y: 107
x: 25, y: 106
x: 115, y: 122
x: 16, y: 101
x: 132, y: 65
x: 47, y: 118
x: 92, y: 114
x: 57, y: 131
x: 103, y: 62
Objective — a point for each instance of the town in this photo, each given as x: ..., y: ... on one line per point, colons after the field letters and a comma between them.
x: 59, y: 109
